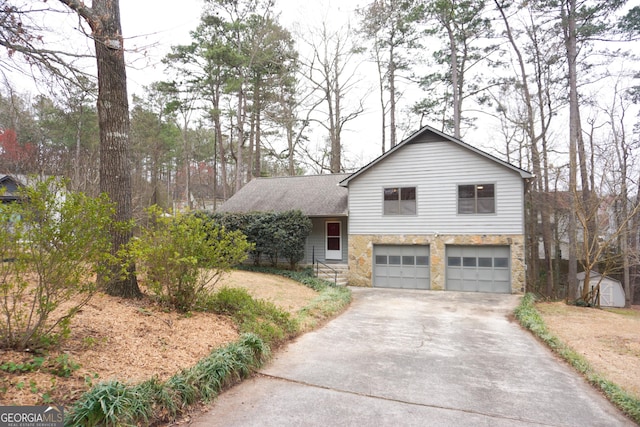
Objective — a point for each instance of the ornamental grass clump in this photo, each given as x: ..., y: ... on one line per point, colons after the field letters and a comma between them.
x: 114, y: 403
x: 110, y: 403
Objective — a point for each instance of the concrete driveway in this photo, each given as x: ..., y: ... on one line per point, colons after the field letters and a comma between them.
x: 416, y: 358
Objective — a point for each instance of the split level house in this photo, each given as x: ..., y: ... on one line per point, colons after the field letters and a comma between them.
x: 431, y: 213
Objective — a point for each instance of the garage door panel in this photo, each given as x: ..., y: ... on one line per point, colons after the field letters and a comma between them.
x: 469, y: 275
x: 454, y: 285
x: 485, y: 286
x: 501, y: 275
x: 469, y: 286
x: 422, y: 273
x: 401, y: 266
x: 486, y: 274
x: 502, y: 287
x: 478, y: 269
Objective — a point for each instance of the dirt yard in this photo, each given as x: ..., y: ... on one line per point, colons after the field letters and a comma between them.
x: 608, y: 339
x: 135, y: 340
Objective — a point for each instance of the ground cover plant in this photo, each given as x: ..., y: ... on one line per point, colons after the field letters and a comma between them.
x: 116, y: 403
x: 331, y: 299
x: 530, y: 318
x: 264, y: 327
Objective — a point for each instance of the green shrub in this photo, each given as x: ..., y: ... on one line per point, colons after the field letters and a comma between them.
x: 293, y: 229
x: 52, y: 244
x: 274, y: 235
x: 229, y: 301
x: 184, y: 255
x: 258, y: 317
x: 61, y: 366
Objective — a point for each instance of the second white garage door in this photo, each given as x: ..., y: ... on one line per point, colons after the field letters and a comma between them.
x: 401, y: 266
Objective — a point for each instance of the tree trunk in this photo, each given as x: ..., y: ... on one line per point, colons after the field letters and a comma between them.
x: 221, y: 153
x: 187, y: 167
x: 392, y: 97
x: 113, y: 114
x: 454, y: 83
x: 240, y: 129
x: 574, y: 133
x: 540, y: 206
x: 336, y: 144
x: 383, y: 116
x: 633, y: 248
x: 257, y: 106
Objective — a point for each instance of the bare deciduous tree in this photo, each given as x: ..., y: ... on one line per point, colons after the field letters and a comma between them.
x: 331, y: 72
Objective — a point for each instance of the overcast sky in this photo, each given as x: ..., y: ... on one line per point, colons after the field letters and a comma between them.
x: 151, y: 27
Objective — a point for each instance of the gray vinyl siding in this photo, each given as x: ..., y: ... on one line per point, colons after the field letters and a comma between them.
x: 436, y: 169
x: 316, y: 240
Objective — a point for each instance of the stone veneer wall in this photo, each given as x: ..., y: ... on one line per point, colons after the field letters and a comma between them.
x: 361, y: 253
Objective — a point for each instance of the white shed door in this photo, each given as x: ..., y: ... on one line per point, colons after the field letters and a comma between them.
x: 479, y: 269
x: 401, y: 266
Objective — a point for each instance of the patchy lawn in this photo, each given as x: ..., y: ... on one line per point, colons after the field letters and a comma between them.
x: 609, y: 339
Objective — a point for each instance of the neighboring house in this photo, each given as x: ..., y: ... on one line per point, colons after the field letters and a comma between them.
x: 431, y: 213
x: 558, y: 204
x: 318, y: 196
x: 10, y: 185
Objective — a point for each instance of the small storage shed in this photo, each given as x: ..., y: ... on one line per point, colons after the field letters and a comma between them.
x: 611, y: 291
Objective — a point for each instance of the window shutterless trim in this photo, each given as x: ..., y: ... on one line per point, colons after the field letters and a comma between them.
x: 476, y: 199
x: 400, y: 201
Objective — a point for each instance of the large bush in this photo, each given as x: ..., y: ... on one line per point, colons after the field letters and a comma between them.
x: 274, y: 235
x: 184, y: 255
x: 293, y: 229
x: 52, y: 243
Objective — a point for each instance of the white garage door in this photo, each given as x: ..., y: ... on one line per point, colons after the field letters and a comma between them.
x: 478, y: 269
x: 405, y: 267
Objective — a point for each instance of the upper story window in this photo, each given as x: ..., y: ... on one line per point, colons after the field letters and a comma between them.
x: 400, y: 201
x: 476, y: 199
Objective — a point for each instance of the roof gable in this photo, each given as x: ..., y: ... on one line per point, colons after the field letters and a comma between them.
x: 428, y: 134
x: 10, y: 184
x: 314, y: 195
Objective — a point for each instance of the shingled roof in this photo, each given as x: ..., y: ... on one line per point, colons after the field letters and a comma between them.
x: 314, y: 195
x: 11, y: 184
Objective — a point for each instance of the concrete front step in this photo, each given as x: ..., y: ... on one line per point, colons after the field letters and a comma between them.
x: 337, y: 272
